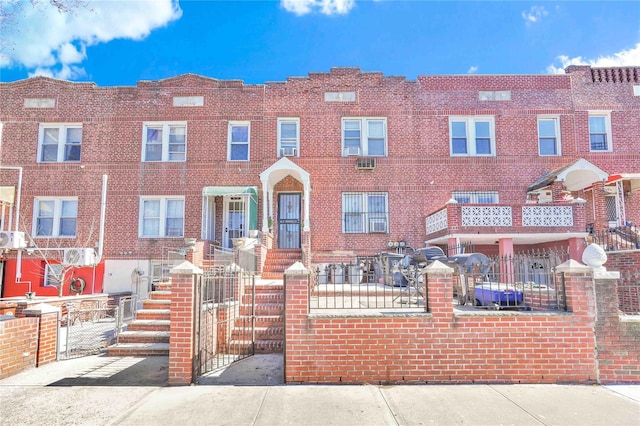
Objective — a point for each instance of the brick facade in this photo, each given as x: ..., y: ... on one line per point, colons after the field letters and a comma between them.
x: 418, y: 173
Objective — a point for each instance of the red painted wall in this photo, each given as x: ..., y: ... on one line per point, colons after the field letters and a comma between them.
x: 33, y: 279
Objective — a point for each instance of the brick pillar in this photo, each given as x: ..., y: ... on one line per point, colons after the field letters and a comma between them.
x: 296, y: 283
x: 599, y: 207
x: 196, y: 255
x: 505, y: 251
x: 579, y: 288
x: 47, y: 332
x: 557, y: 187
x: 439, y: 291
x: 183, y: 281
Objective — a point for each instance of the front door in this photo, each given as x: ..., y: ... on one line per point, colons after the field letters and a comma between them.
x: 289, y: 220
x: 234, y: 218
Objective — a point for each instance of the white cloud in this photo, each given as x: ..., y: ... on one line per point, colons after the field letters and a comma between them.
x: 49, y: 41
x: 472, y: 69
x: 624, y: 58
x: 534, y: 15
x: 326, y: 7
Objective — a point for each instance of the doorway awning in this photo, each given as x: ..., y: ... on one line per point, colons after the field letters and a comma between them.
x: 214, y: 191
x: 250, y: 191
x: 576, y: 175
x: 633, y: 178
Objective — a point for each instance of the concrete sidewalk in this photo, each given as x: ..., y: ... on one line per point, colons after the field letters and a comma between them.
x: 97, y: 390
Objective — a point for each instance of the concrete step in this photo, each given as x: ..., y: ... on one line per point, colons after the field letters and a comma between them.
x: 149, y: 325
x: 270, y: 297
x: 139, y: 349
x: 160, y: 295
x: 156, y: 304
x: 260, y: 333
x: 153, y: 314
x: 263, y: 309
x: 262, y: 321
x: 143, y: 336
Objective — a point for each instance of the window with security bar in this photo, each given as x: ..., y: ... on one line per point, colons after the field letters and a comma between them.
x: 475, y: 197
x: 365, y: 212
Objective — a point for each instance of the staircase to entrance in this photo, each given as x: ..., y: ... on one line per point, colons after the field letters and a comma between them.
x: 148, y: 333
x: 278, y: 260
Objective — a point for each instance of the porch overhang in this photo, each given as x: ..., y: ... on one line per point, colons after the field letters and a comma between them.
x: 633, y: 178
x: 518, y: 239
x: 577, y: 175
x: 215, y: 191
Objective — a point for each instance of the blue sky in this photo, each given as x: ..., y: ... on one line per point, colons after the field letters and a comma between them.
x: 120, y: 42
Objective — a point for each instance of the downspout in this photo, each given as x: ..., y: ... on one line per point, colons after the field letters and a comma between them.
x: 103, y: 209
x: 17, y: 225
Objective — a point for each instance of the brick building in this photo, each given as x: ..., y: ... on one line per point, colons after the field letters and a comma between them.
x: 336, y: 164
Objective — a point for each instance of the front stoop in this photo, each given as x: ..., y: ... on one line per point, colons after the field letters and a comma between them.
x: 148, y: 334
x: 278, y: 260
x: 269, y: 321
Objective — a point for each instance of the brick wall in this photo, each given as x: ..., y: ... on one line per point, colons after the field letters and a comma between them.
x: 18, y: 345
x: 441, y: 346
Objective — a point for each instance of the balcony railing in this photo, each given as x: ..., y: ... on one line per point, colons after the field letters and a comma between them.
x: 474, y: 218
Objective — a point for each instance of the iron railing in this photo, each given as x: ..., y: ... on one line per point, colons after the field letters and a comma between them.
x: 618, y: 238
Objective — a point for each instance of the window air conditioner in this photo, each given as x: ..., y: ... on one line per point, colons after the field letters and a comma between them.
x: 365, y: 163
x: 288, y: 152
x: 352, y: 150
x: 377, y: 225
x: 13, y: 240
x: 79, y: 257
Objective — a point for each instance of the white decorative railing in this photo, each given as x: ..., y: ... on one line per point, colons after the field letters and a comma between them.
x: 547, y: 216
x: 487, y: 216
x: 437, y: 221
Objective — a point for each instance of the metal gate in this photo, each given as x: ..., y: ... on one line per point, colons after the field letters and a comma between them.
x: 89, y: 326
x: 225, y: 318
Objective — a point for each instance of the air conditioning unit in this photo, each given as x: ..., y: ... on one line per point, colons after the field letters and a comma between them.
x: 79, y: 257
x: 352, y: 150
x: 365, y: 163
x: 13, y: 240
x: 288, y: 152
x: 377, y: 225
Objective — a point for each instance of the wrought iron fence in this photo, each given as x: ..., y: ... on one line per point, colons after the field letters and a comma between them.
x: 525, y: 281
x: 225, y: 319
x: 618, y: 238
x: 380, y: 282
x: 629, y: 292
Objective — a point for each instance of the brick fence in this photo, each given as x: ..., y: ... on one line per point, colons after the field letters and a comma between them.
x: 449, y: 346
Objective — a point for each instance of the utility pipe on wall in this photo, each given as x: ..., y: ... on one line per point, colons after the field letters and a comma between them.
x: 103, y: 209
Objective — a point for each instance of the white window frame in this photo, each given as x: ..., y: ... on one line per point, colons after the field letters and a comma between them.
x: 230, y: 143
x: 289, y: 143
x: 606, y: 115
x: 62, y: 141
x: 166, y: 134
x: 162, y: 218
x: 56, y: 219
x: 366, y: 217
x: 475, y: 197
x: 364, y: 136
x: 53, y: 271
x: 470, y: 136
x: 558, y: 144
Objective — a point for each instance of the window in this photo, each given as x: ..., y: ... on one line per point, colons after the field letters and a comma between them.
x: 600, y: 131
x: 53, y: 274
x: 549, y: 136
x: 364, y: 136
x: 59, y: 143
x: 55, y: 217
x: 239, y: 132
x: 164, y: 142
x: 472, y: 136
x: 288, y: 137
x: 161, y: 217
x: 475, y: 197
x: 364, y: 212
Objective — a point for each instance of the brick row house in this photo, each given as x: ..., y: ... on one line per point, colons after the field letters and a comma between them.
x: 332, y: 166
